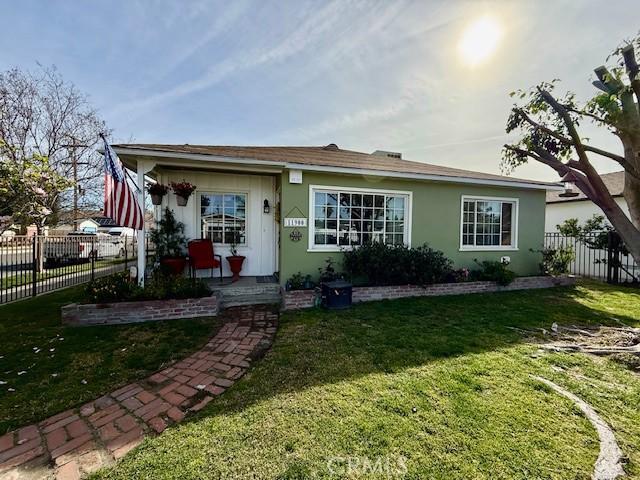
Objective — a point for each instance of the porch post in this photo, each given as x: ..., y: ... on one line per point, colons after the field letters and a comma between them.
x: 142, y: 257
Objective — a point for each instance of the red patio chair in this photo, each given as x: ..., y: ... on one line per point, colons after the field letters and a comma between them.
x: 201, y: 256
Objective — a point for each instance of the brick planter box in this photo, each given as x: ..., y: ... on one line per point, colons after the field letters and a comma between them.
x: 137, y: 312
x: 297, y: 299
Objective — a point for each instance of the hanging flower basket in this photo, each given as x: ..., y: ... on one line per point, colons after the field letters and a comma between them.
x: 183, y: 191
x: 157, y: 191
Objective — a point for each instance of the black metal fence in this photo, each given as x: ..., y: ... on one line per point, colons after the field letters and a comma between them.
x: 598, y: 255
x: 31, y: 265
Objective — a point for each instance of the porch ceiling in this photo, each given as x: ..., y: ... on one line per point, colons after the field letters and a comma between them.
x: 210, y: 165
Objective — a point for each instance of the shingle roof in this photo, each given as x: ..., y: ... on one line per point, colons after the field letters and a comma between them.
x: 105, y: 221
x: 329, y: 156
x: 613, y: 181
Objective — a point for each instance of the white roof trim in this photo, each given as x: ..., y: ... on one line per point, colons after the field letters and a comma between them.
x: 332, y: 169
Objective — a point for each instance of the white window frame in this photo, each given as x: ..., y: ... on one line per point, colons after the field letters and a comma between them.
x: 514, y: 224
x: 312, y: 247
x: 225, y: 192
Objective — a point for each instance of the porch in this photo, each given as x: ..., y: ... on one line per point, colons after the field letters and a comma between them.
x: 233, y: 203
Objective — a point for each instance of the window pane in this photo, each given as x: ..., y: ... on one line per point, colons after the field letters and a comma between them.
x: 353, y: 218
x: 507, y: 209
x: 222, y: 217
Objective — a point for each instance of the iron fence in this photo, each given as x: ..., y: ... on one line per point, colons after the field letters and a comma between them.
x: 31, y: 265
x: 598, y: 255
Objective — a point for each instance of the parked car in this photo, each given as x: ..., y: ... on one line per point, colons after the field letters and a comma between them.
x: 79, y: 247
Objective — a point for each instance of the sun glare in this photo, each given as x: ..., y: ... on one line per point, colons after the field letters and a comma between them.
x: 479, y: 40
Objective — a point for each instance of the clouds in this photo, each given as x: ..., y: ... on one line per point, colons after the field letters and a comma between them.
x: 367, y: 74
x: 309, y: 31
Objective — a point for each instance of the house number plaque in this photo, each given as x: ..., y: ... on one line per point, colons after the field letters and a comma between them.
x: 295, y: 222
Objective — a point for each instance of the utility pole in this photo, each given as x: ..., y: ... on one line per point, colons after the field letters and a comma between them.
x: 74, y: 165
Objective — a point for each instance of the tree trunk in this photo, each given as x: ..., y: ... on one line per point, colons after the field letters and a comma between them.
x: 629, y: 234
x: 632, y: 196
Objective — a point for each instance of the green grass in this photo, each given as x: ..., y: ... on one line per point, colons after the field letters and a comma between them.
x: 105, y: 357
x: 440, y: 382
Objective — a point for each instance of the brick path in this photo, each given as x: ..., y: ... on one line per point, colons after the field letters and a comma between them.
x: 79, y: 441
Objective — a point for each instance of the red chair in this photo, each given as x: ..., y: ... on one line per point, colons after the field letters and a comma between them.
x: 201, y: 256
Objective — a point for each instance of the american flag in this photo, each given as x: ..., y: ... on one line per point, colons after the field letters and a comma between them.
x: 120, y: 201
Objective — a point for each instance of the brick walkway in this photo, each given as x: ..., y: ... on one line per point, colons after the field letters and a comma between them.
x: 81, y: 440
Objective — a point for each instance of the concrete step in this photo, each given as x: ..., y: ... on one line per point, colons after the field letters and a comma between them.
x: 251, y: 299
x: 259, y: 289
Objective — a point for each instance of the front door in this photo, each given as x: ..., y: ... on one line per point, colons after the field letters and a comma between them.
x: 231, y: 211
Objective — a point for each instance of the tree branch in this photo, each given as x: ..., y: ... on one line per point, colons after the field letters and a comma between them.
x: 628, y: 54
x: 618, y: 158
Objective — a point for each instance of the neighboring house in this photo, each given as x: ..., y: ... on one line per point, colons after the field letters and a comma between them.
x: 560, y: 208
x: 88, y: 225
x: 292, y: 207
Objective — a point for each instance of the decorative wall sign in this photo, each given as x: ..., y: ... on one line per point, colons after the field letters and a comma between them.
x: 295, y: 218
x: 295, y: 235
x: 295, y: 222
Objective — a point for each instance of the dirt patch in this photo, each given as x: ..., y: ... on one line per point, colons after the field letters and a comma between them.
x: 621, y: 344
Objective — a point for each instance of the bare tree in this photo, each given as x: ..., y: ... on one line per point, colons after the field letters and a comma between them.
x: 549, y: 134
x: 42, y: 114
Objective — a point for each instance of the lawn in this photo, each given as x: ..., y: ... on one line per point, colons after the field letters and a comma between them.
x: 51, y: 368
x: 432, y: 387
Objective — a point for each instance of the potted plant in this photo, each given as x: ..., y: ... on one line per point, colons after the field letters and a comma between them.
x: 235, y: 260
x: 169, y: 240
x: 183, y: 191
x: 157, y: 191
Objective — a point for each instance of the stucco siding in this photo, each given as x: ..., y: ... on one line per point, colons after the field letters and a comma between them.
x: 583, y: 210
x: 436, y: 212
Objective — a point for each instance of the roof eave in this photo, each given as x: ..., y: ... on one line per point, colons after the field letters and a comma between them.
x: 163, y: 154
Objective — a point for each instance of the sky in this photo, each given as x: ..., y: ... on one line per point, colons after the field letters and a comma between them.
x: 366, y: 75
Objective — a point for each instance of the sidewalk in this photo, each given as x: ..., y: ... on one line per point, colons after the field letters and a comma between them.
x: 82, y: 440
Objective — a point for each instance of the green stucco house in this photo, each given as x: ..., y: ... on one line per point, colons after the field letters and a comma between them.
x: 292, y: 207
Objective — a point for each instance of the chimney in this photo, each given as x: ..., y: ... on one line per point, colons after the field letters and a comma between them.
x: 384, y: 153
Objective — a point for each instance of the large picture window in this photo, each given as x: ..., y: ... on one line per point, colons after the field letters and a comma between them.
x: 344, y: 218
x: 489, y: 223
x: 223, y: 216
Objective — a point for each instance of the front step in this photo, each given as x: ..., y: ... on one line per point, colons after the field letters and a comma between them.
x: 249, y: 299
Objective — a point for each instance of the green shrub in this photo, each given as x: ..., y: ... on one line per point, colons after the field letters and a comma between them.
x: 493, y: 271
x: 381, y: 264
x: 113, y: 288
x: 299, y: 282
x: 328, y: 273
x: 119, y: 288
x: 163, y: 287
x: 556, y: 261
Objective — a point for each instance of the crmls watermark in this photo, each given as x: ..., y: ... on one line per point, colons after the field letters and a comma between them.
x: 388, y: 467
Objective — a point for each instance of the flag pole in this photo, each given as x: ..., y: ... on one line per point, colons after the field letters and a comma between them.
x: 142, y: 257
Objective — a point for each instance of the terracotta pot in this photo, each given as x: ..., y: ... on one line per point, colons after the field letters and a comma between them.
x: 175, y: 264
x: 156, y: 199
x: 181, y: 201
x: 235, y: 265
